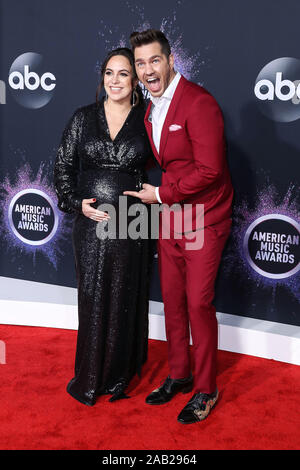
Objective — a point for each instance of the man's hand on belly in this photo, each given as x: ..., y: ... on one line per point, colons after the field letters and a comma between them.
x: 147, y: 194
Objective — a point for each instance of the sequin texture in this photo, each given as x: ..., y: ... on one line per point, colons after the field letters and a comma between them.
x: 112, y: 274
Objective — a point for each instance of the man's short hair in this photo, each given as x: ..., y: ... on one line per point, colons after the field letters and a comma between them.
x: 142, y: 38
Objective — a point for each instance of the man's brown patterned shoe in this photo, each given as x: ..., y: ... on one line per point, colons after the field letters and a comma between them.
x: 198, y: 408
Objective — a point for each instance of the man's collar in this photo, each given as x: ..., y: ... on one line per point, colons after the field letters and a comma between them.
x: 169, y: 92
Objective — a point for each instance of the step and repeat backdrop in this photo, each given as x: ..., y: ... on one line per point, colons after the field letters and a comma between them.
x: 246, y: 53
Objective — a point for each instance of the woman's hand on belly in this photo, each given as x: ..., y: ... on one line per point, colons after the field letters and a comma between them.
x: 91, y: 213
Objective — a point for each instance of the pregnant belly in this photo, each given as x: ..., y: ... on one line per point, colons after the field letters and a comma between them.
x: 107, y: 186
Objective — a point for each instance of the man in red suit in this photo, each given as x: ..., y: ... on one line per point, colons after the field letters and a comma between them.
x: 185, y: 128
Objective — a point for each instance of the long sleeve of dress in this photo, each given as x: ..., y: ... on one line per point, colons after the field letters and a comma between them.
x: 66, y: 166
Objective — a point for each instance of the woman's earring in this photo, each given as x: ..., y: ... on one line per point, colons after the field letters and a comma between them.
x: 106, y: 96
x: 135, y: 97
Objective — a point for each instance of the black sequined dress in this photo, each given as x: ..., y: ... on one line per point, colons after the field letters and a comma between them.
x: 112, y: 270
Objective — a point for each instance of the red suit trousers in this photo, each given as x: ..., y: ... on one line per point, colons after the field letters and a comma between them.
x: 187, y: 280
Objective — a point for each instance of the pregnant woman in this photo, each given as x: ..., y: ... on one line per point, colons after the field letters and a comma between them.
x: 103, y: 152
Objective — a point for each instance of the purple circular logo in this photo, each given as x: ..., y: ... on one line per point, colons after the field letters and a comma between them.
x: 32, y: 216
x: 272, y: 246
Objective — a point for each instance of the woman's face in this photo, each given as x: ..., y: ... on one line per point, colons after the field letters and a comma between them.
x: 118, y: 79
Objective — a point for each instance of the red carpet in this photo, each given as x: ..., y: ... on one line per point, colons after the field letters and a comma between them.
x: 258, y: 406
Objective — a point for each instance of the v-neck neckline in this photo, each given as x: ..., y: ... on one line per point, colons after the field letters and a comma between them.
x: 121, y: 128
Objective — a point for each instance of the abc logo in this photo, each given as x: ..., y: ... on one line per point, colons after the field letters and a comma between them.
x: 17, y: 80
x: 30, y: 84
x: 277, y: 89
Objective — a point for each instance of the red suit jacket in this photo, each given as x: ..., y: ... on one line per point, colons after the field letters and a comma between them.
x: 193, y: 157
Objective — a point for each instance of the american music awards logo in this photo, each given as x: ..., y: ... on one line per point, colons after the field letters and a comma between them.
x: 33, y: 217
x: 31, y: 222
x: 272, y: 246
x: 264, y: 245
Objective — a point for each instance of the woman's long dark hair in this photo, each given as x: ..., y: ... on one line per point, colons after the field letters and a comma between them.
x: 125, y: 52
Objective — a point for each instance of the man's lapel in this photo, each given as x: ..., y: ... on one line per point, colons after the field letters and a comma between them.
x: 148, y: 126
x: 170, y: 115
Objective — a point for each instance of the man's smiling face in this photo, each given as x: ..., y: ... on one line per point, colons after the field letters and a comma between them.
x: 153, y: 68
